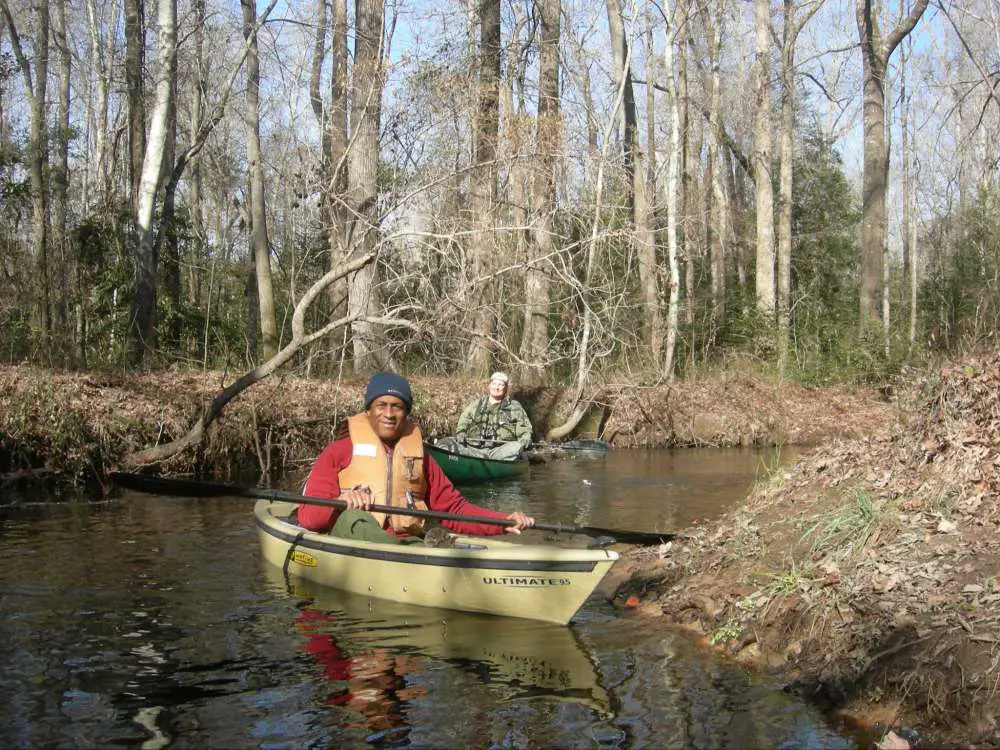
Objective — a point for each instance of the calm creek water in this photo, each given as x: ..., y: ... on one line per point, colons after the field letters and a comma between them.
x: 151, y: 622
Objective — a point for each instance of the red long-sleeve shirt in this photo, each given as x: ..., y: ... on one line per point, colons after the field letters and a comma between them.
x: 441, y: 494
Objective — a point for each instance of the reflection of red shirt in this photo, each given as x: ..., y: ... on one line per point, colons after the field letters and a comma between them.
x: 336, y: 664
x: 373, y: 681
x: 441, y: 494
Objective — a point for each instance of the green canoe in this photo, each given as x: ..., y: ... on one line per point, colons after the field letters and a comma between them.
x: 462, y: 469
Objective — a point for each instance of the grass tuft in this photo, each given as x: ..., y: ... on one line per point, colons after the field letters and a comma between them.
x: 851, y: 528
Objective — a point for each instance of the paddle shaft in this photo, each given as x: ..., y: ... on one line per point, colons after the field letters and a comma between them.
x: 194, y: 488
x: 571, y: 446
x: 575, y: 446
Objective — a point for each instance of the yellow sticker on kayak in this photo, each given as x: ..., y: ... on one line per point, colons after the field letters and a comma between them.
x: 303, y: 558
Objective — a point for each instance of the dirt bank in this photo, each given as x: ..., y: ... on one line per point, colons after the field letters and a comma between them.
x: 79, y: 426
x: 868, y: 573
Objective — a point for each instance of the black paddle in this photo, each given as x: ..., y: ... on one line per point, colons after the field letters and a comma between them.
x: 193, y: 488
x: 593, y: 447
x: 575, y: 446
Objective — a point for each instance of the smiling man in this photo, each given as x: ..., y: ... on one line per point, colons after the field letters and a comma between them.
x: 378, y: 458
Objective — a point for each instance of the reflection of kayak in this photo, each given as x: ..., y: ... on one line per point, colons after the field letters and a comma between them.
x: 531, y: 656
x: 478, y: 574
x: 460, y: 468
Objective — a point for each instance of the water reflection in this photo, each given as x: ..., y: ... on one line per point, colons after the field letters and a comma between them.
x: 694, y: 700
x: 152, y: 622
x: 372, y: 683
x: 377, y: 657
x: 643, y: 490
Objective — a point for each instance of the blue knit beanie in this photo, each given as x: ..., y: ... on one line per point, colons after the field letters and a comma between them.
x: 388, y: 384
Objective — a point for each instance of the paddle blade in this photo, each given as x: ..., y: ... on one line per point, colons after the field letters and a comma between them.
x: 596, y: 447
x: 176, y: 487
x: 623, y: 536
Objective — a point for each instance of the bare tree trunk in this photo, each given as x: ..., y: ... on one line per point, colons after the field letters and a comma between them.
x: 672, y: 34
x: 315, y: 77
x: 135, y: 30
x: 792, y: 27
x: 336, y: 182
x: 100, y: 164
x: 739, y: 211
x: 196, y: 208
x: 908, y: 190
x: 535, y: 344
x: 688, y: 243
x: 652, y: 74
x: 60, y: 186
x: 483, y: 189
x: 636, y: 177
x: 515, y: 152
x: 649, y: 178
x: 719, y: 212
x: 331, y: 163
x: 764, y: 264
x: 621, y: 54
x: 168, y: 241
x: 786, y: 180
x: 875, y: 54
x: 366, y: 108
x: 585, y: 357
x: 143, y: 325
x: 36, y: 88
x: 593, y: 147
x: 259, y: 242
x: 914, y: 277
x: 37, y: 158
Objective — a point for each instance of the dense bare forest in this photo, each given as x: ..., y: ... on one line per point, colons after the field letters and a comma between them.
x: 573, y: 191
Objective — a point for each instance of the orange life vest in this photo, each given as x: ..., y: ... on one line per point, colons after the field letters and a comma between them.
x: 389, y: 481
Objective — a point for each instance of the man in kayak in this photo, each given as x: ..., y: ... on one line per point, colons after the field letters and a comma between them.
x: 378, y: 458
x: 493, y: 426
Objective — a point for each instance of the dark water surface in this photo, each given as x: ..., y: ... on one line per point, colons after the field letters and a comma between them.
x: 151, y: 622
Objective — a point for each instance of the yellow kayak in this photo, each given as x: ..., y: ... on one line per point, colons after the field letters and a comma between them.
x: 477, y: 574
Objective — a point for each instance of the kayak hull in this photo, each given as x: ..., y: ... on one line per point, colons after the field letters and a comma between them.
x: 478, y: 574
